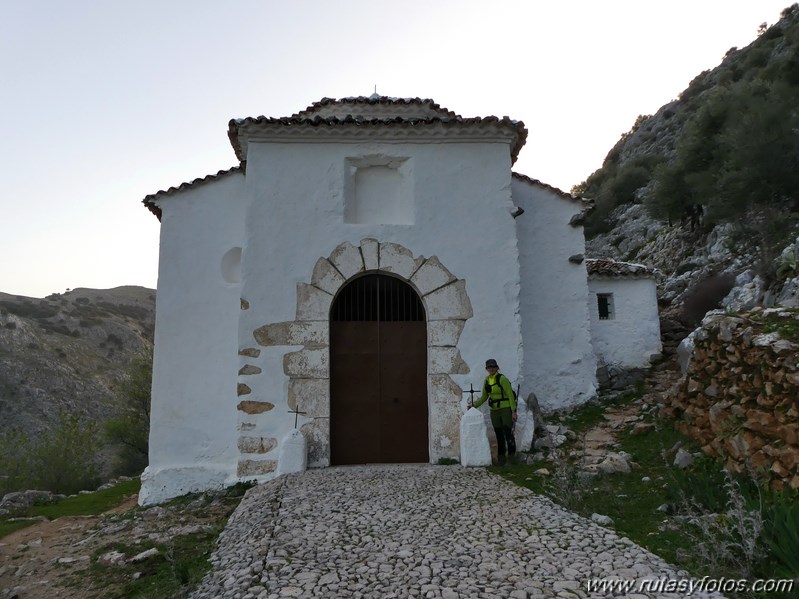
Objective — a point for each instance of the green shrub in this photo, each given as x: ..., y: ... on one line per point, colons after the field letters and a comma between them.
x: 704, y: 485
x: 15, y: 465
x: 28, y: 309
x: 685, y: 267
x: 615, y: 184
x: 62, y: 460
x: 115, y: 339
x: 781, y: 532
x: 706, y: 295
x: 135, y: 312
x: 59, y: 329
x: 65, y: 459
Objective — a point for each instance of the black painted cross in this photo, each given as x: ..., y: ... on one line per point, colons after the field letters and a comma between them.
x: 471, y: 393
x: 296, y: 412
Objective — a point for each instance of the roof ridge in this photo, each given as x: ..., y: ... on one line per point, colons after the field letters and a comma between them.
x: 375, y: 99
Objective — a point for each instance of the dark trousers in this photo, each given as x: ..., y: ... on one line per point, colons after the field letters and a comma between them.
x: 502, y: 421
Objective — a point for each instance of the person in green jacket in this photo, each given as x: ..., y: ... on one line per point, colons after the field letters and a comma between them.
x: 502, y: 401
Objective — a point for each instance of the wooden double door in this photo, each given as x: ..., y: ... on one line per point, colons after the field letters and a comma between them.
x: 378, y: 373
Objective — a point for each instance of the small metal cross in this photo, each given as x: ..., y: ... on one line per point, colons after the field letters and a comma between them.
x: 471, y: 393
x: 296, y: 412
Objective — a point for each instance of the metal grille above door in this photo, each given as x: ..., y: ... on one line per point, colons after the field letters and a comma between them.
x: 377, y: 297
x: 378, y: 373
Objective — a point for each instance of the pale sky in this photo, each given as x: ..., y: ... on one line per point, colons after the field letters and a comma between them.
x: 106, y: 101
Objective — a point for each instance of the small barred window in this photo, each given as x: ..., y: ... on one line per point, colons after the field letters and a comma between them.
x: 605, y: 304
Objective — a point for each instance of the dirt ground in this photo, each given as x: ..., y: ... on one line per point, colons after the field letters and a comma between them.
x: 54, y: 558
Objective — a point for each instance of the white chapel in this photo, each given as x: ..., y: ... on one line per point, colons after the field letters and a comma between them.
x: 351, y: 275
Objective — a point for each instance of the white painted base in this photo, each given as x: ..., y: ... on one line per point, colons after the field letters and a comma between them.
x: 162, y: 484
x: 293, y: 453
x: 475, y: 450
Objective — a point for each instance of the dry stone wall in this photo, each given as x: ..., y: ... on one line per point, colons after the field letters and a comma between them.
x: 740, y: 394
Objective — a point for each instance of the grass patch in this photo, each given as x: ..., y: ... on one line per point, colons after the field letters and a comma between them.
x: 90, y: 504
x: 177, y: 569
x: 588, y: 415
x: 788, y: 328
x: 9, y: 526
x: 629, y: 501
x: 180, y: 565
x: 633, y: 503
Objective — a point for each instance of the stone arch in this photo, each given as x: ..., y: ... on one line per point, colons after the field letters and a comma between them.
x: 447, y: 306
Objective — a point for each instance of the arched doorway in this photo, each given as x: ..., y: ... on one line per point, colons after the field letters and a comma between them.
x: 378, y: 373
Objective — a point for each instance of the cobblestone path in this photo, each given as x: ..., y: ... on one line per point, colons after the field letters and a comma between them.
x: 415, y: 531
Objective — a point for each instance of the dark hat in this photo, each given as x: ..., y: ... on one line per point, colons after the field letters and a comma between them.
x: 491, y: 363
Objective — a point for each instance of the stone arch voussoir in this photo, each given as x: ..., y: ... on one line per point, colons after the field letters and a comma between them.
x: 447, y: 307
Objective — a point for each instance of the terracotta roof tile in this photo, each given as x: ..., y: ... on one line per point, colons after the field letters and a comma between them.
x: 432, y: 115
x: 350, y: 121
x: 149, y: 200
x: 555, y: 190
x: 604, y: 267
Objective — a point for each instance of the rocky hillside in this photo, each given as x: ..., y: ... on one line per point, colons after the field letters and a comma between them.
x: 67, y: 351
x: 705, y: 190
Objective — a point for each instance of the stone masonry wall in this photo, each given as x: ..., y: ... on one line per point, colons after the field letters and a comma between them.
x: 447, y: 309
x: 740, y: 394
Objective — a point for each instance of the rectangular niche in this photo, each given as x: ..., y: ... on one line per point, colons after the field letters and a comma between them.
x: 378, y: 191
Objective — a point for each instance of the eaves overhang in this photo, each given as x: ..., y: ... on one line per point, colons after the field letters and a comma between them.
x: 150, y: 201
x: 394, y: 130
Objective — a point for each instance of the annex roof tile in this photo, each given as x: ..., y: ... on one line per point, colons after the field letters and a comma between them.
x: 149, y: 200
x: 607, y: 268
x: 552, y: 188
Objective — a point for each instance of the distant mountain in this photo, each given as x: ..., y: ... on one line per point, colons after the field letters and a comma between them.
x: 67, y: 352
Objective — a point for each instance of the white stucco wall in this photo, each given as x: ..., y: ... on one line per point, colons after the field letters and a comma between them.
x: 559, y: 363
x: 193, y: 419
x: 633, y: 334
x: 461, y: 212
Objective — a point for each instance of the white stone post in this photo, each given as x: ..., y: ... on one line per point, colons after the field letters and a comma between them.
x: 475, y: 450
x: 293, y: 453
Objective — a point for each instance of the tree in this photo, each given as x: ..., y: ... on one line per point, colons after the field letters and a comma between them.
x: 130, y: 431
x: 65, y: 458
